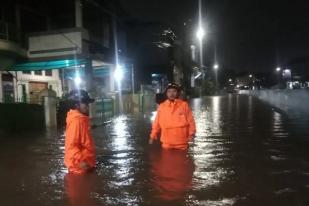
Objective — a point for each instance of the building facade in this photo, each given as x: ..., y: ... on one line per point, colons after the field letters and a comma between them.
x: 73, y: 49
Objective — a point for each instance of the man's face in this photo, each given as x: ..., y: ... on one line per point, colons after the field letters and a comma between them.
x: 172, y: 94
x: 84, y: 108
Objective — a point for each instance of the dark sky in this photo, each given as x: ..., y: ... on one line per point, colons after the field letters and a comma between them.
x: 253, y: 35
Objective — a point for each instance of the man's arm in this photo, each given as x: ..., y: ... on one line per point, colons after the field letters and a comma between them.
x: 155, y: 128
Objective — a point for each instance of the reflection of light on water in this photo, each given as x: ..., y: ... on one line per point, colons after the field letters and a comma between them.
x: 277, y: 127
x: 120, y: 133
x: 208, y: 150
x: 121, y: 159
x: 216, y: 115
x: 222, y: 202
x: 250, y: 108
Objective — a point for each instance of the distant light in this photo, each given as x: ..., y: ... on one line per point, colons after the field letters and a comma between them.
x: 278, y: 69
x: 118, y: 73
x: 200, y: 33
x: 250, y: 76
x: 230, y: 80
x: 287, y: 71
x: 237, y: 85
x: 216, y: 66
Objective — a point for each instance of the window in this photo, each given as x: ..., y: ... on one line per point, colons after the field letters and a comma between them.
x: 49, y: 73
x: 38, y: 72
x: 26, y: 72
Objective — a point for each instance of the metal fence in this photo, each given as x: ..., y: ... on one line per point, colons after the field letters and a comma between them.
x: 25, y: 100
x: 104, y: 110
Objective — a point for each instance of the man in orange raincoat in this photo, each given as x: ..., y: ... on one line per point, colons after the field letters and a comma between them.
x: 79, y: 154
x: 174, y: 121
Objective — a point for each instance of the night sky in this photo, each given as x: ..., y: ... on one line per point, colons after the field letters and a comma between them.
x: 251, y: 35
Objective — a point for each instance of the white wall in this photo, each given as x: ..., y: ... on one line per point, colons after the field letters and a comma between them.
x: 53, y: 80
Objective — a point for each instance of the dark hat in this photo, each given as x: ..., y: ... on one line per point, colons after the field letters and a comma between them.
x: 80, y: 96
x: 173, y: 86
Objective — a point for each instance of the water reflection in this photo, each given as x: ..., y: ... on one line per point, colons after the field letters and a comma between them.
x: 79, y: 189
x: 239, y: 157
x: 171, y: 174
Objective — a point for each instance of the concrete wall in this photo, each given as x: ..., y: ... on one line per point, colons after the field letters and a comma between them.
x: 21, y: 117
x: 9, y: 46
x: 286, y: 100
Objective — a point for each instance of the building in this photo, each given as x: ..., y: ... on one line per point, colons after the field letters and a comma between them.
x: 73, y: 49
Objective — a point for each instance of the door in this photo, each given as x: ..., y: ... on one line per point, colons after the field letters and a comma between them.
x: 34, y: 91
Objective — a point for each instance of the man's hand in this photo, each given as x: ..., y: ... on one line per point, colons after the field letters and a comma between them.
x: 191, y: 137
x: 150, y: 141
x: 83, y: 165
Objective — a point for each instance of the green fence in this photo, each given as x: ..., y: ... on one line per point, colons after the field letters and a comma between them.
x: 104, y: 110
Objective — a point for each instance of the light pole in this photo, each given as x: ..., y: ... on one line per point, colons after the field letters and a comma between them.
x: 216, y: 67
x: 200, y: 33
x: 250, y: 81
x: 118, y: 75
x: 278, y: 69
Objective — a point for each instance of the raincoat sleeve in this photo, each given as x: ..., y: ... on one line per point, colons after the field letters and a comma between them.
x: 190, y: 119
x: 87, y: 150
x: 74, y: 142
x: 156, y: 126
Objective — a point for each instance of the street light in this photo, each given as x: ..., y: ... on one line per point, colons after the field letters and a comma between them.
x: 278, y: 69
x: 216, y: 66
x: 77, y: 81
x: 200, y: 34
x: 118, y: 73
x: 250, y: 76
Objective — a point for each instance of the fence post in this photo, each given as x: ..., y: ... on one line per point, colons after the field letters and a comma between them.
x: 50, y: 111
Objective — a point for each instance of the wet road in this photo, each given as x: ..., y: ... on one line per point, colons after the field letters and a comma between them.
x: 245, y: 153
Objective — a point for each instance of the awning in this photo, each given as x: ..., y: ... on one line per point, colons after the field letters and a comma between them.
x: 47, y: 65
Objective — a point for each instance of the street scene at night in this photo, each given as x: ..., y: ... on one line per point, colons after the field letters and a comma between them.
x: 162, y: 102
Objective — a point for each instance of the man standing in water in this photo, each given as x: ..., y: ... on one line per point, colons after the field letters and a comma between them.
x: 79, y: 155
x: 174, y: 121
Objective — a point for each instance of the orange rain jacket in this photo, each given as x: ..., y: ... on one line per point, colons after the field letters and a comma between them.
x: 175, y: 122
x: 79, y: 145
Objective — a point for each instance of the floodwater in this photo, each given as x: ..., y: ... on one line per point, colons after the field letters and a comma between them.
x: 245, y: 153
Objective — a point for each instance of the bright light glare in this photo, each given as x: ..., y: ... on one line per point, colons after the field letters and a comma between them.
x: 250, y: 75
x: 278, y: 69
x: 118, y: 74
x: 77, y: 80
x: 230, y: 80
x: 216, y: 66
x: 200, y: 33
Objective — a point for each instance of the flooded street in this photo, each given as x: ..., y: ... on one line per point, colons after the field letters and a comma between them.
x: 245, y: 153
